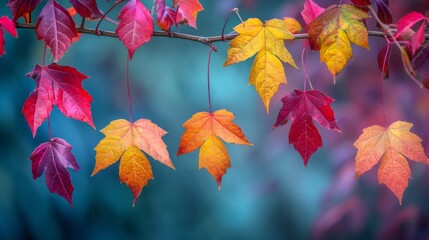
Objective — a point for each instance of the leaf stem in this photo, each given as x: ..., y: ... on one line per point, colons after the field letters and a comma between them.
x: 152, y: 11
x: 82, y: 23
x: 129, y: 88
x: 224, y: 25
x: 97, y: 32
x: 238, y: 15
x: 208, y: 78
x: 49, y: 128
x: 44, y: 56
x: 305, y: 66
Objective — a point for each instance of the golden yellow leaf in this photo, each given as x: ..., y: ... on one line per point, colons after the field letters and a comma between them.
x: 124, y: 140
x: 333, y: 30
x: 390, y: 146
x: 268, y: 41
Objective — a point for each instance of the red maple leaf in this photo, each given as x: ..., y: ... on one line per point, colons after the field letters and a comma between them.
x: 9, y: 26
x: 56, y: 28
x: 59, y: 85
x: 166, y: 16
x: 187, y: 11
x: 54, y: 157
x: 87, y: 8
x: 302, y: 107
x: 135, y: 27
x: 22, y: 8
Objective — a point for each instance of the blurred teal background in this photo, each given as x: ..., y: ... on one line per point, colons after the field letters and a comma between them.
x: 267, y: 194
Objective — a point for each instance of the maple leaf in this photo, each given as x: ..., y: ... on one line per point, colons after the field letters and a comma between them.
x: 301, y: 107
x: 135, y: 27
x: 124, y: 140
x: 267, y: 40
x: 311, y: 11
x: 187, y: 11
x: 333, y: 30
x: 9, y: 26
x: 59, y: 85
x: 21, y: 8
x: 203, y: 130
x: 56, y: 28
x: 54, y: 157
x: 87, y: 8
x: 389, y: 146
x: 166, y: 16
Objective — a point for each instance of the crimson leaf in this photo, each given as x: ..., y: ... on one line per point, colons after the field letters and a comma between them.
x: 59, y: 85
x: 54, y: 157
x: 383, y: 12
x: 383, y: 58
x: 9, y: 26
x: 21, y: 8
x: 87, y: 8
x: 302, y: 107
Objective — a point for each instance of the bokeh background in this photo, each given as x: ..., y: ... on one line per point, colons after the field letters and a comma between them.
x: 267, y: 194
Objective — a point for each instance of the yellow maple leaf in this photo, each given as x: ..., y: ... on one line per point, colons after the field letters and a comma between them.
x: 389, y: 146
x: 124, y: 140
x: 267, y: 40
x: 333, y: 30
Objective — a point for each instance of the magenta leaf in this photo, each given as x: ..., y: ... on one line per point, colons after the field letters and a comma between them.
x: 311, y: 11
x: 56, y: 28
x: 20, y: 8
x: 59, y: 85
x: 408, y: 21
x: 54, y: 157
x: 87, y: 8
x: 166, y: 16
x: 418, y: 38
x: 135, y: 27
x: 9, y: 26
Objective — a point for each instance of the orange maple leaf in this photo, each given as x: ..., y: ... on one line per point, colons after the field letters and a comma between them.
x: 125, y: 140
x: 203, y: 130
x: 390, y: 145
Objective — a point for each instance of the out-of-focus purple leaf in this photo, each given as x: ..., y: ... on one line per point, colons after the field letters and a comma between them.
x: 341, y: 220
x: 420, y: 64
x: 409, y: 223
x: 383, y: 12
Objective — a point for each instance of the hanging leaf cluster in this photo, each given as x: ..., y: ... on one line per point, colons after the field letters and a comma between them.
x: 330, y: 31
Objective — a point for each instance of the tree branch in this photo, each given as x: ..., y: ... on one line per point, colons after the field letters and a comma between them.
x: 201, y: 39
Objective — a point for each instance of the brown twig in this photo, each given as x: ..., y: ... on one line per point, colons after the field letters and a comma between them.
x: 201, y: 39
